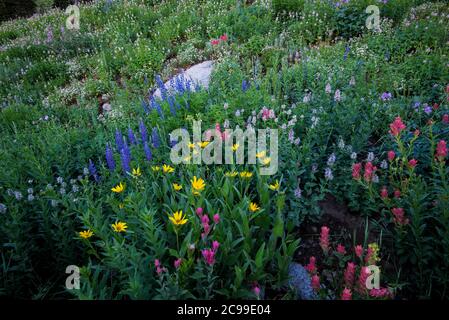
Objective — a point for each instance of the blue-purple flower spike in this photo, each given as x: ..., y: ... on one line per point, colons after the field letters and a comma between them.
x: 126, y: 161
x: 245, y: 85
x: 131, y: 136
x: 143, y: 131
x: 93, y: 171
x: 118, y: 139
x: 155, y: 138
x: 110, y: 158
x: 147, y: 150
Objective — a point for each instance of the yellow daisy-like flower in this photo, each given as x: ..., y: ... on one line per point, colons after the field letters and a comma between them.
x: 136, y: 172
x: 167, y: 169
x: 177, y: 187
x: 231, y: 174
x: 275, y: 186
x: 155, y: 168
x: 191, y: 145
x: 261, y: 154
x: 235, y: 147
x: 253, y: 207
x: 86, y: 234
x: 266, y: 161
x: 246, y: 174
x: 119, y: 188
x: 178, y: 219
x: 198, y: 185
x: 119, y: 226
x: 203, y: 144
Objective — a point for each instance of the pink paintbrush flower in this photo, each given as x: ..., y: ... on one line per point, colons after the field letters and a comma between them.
x: 398, y: 216
x: 349, y: 274
x: 358, y: 251
x: 396, y: 127
x: 215, y: 245
x: 341, y: 249
x: 356, y: 168
x: 384, y: 193
x: 311, y: 267
x: 316, y: 282
x: 209, y: 256
x: 441, y: 152
x: 361, y: 282
x: 324, y: 238
x: 412, y: 163
x: 346, y: 294
x: 391, y: 155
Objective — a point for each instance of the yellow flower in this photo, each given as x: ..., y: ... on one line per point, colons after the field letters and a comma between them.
x: 167, y: 169
x: 374, y: 257
x: 155, y: 168
x: 178, y: 219
x: 198, y: 185
x: 187, y: 159
x: 274, y: 186
x: 136, y: 172
x: 231, y: 174
x: 119, y: 226
x: 119, y: 188
x: 261, y: 154
x: 235, y: 147
x: 177, y: 187
x: 121, y: 205
x: 253, y: 207
x: 266, y: 161
x: 246, y: 174
x: 86, y: 234
x: 191, y: 145
x: 203, y: 144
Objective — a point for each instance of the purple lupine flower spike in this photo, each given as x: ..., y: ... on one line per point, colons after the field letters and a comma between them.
x: 155, y: 138
x: 110, y: 158
x: 143, y: 131
x: 147, y: 150
x: 118, y: 139
x: 131, y: 136
x: 93, y: 171
x: 126, y: 161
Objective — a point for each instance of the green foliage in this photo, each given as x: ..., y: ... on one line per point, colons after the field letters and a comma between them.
x: 275, y: 70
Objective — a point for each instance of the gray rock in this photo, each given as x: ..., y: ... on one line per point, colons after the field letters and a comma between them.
x: 198, y: 74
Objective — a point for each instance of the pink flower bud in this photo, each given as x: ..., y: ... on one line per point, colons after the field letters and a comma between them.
x: 346, y: 294
x: 316, y: 282
x: 205, y: 219
x: 256, y: 290
x: 216, y: 218
x: 412, y: 163
x: 384, y: 193
x: 215, y: 245
x: 358, y: 251
x: 391, y: 155
x: 341, y: 249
